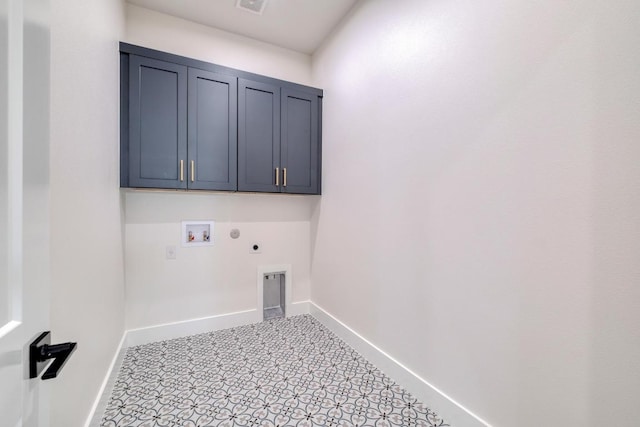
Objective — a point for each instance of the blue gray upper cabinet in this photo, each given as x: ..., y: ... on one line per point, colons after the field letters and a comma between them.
x: 188, y: 124
x: 157, y: 123
x: 299, y: 147
x: 278, y: 139
x: 258, y: 136
x: 212, y: 131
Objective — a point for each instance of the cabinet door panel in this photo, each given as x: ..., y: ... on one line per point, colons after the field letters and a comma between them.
x: 258, y: 136
x: 212, y: 131
x: 299, y: 146
x: 157, y: 123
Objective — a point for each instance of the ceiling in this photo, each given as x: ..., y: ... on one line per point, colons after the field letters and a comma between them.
x: 299, y: 25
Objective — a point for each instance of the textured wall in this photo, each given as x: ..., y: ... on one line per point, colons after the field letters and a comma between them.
x: 480, y: 200
x: 220, y: 279
x: 86, y: 220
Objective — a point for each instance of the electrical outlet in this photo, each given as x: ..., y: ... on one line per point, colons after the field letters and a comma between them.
x: 170, y: 252
x: 256, y: 248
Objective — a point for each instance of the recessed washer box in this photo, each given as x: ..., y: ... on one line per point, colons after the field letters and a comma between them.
x: 197, y: 233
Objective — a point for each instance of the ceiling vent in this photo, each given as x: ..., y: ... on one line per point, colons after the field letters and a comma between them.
x: 253, y: 6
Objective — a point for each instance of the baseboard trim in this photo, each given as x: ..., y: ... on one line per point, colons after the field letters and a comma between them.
x: 298, y: 308
x: 201, y: 325
x: 100, y: 404
x: 451, y: 411
x: 184, y: 328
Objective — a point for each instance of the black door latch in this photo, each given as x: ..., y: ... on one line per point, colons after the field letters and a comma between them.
x: 41, y: 351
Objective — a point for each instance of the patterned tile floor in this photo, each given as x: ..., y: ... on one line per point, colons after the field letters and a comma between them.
x: 284, y: 372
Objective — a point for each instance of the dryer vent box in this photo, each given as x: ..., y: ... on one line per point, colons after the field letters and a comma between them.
x: 274, y: 296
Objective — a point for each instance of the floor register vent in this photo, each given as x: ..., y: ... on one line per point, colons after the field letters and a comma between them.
x: 253, y: 6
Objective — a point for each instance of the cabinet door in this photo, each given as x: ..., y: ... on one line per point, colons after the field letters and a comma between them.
x: 157, y: 123
x: 299, y: 144
x: 213, y: 141
x: 258, y: 137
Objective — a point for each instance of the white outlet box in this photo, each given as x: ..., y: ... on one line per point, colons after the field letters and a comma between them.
x: 256, y: 248
x: 171, y: 252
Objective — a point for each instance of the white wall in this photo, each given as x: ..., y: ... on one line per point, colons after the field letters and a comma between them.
x: 480, y: 200
x: 170, y: 34
x: 209, y: 281
x: 86, y: 246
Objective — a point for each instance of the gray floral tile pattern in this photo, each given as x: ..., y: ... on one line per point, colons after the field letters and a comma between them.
x: 283, y: 372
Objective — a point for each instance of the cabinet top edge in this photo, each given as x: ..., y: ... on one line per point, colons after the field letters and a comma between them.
x: 203, y: 65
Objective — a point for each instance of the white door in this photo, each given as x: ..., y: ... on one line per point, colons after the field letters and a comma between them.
x: 24, y: 212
